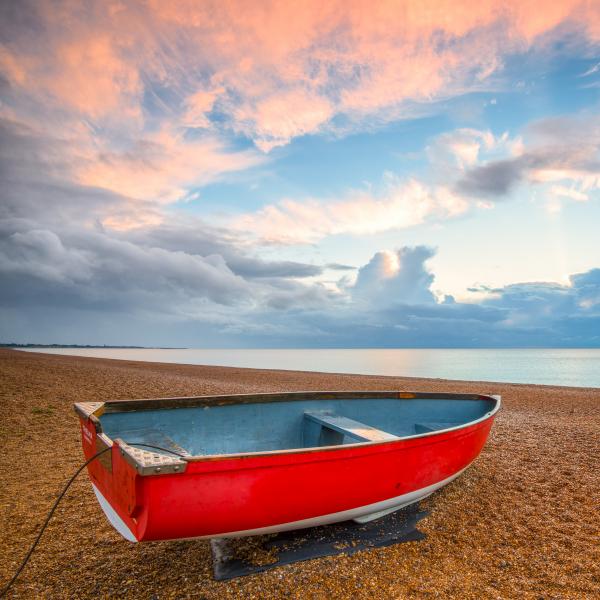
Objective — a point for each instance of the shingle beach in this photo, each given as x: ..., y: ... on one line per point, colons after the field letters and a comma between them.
x: 523, y: 521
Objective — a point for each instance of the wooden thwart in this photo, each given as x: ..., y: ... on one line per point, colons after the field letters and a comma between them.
x: 349, y: 427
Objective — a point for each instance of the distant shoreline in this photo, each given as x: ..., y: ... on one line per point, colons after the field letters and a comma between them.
x: 93, y: 346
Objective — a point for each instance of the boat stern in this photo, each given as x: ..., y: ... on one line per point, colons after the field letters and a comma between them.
x: 119, y: 473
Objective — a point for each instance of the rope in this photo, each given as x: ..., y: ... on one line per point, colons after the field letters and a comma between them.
x: 57, y: 502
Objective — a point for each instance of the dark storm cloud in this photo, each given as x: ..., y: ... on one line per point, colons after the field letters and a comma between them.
x: 90, y: 267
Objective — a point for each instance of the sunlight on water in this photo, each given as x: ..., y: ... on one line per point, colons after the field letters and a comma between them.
x: 579, y: 367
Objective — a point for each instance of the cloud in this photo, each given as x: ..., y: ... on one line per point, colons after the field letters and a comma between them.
x: 161, y: 167
x: 292, y: 295
x: 401, y: 310
x: 92, y: 267
x: 397, y: 204
x: 154, y: 172
x: 34, y: 180
x: 94, y: 270
x: 148, y: 101
x: 461, y: 148
x: 275, y: 120
x: 523, y: 315
x: 497, y: 178
x: 396, y: 277
x: 56, y: 249
x: 528, y: 314
x: 52, y: 280
x: 401, y: 204
x: 112, y: 111
x: 193, y: 236
x: 273, y: 71
x: 561, y: 149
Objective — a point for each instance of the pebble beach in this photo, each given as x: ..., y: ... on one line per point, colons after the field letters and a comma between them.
x: 523, y: 521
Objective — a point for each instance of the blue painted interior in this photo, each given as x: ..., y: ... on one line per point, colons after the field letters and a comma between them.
x: 239, y: 428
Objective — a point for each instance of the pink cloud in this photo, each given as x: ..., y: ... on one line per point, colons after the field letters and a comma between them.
x: 262, y: 60
x: 198, y: 105
x: 274, y: 120
x: 124, y: 80
x: 10, y: 67
x: 93, y: 79
x: 162, y: 166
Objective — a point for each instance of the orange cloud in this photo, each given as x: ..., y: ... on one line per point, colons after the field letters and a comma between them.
x: 262, y: 56
x: 94, y: 80
x: 119, y: 75
x: 274, y: 120
x: 14, y: 72
x: 198, y: 105
x: 162, y: 167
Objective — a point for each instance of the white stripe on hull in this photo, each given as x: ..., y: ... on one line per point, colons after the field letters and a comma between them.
x: 113, y: 517
x: 362, y: 514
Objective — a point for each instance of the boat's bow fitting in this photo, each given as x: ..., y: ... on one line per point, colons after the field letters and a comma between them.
x: 146, y: 462
x: 87, y: 409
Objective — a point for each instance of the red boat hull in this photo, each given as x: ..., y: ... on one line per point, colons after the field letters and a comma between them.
x: 233, y: 496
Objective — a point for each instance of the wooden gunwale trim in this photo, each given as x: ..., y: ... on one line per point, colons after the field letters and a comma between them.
x: 113, y: 406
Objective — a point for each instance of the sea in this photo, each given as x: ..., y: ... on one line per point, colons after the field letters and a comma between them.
x: 567, y: 367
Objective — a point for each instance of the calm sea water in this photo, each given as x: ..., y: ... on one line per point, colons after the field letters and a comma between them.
x: 572, y: 367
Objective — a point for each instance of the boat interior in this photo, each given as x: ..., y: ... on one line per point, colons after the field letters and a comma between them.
x: 240, y: 428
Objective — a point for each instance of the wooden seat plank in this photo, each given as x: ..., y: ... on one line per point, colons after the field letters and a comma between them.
x: 350, y: 427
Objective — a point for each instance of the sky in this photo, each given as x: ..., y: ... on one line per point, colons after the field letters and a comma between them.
x: 314, y: 174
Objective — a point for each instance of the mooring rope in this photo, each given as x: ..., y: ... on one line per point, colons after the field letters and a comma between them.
x: 60, y: 497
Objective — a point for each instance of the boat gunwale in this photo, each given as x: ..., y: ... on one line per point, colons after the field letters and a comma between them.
x: 92, y: 410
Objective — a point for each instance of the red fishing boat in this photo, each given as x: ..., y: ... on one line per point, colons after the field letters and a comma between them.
x: 229, y: 466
